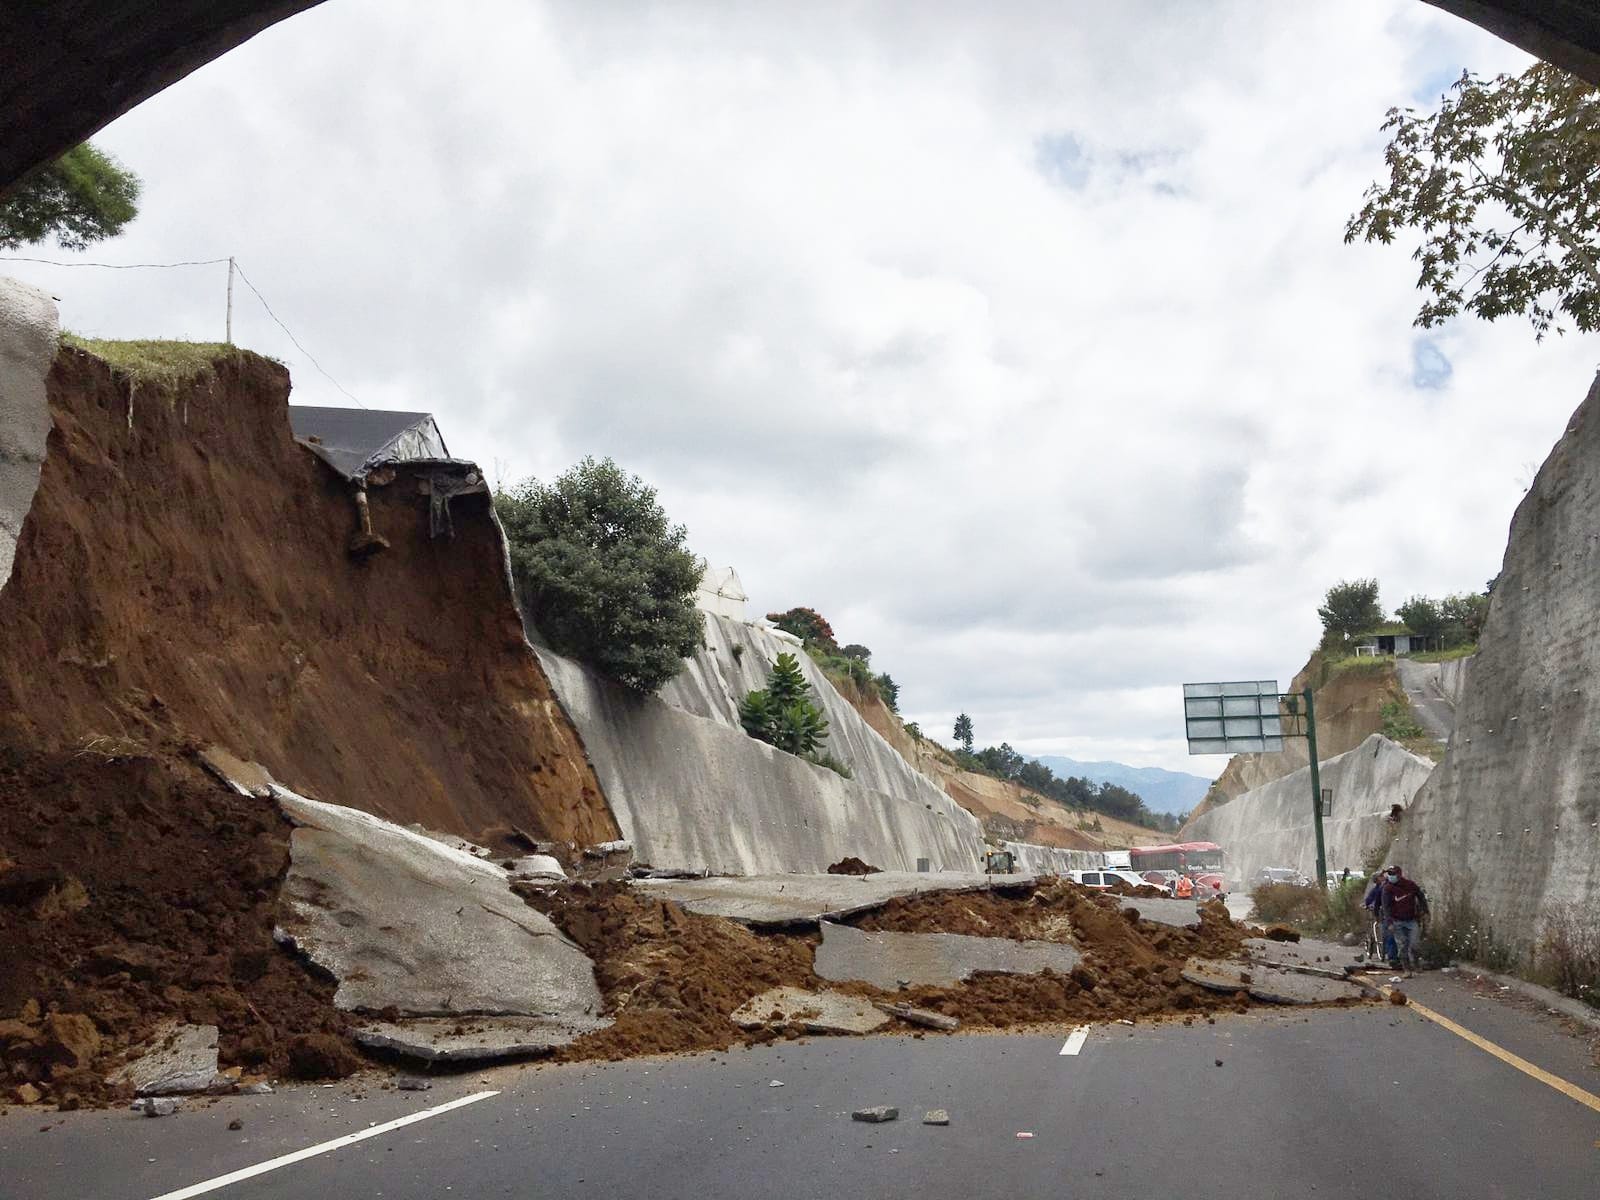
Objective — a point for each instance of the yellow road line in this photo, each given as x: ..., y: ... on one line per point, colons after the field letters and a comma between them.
x: 1570, y: 1090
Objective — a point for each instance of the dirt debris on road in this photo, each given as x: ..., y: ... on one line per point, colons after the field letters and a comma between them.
x: 672, y: 979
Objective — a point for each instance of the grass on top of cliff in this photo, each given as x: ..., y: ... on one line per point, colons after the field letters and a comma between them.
x: 158, y: 365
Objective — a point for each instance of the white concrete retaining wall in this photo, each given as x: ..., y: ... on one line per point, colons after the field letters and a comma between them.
x: 28, y: 331
x: 694, y: 792
x: 1510, y: 822
x: 1271, y: 826
x: 1052, y: 860
x: 1453, y: 678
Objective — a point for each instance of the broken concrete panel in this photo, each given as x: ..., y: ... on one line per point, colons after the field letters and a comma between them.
x: 927, y: 1018
x: 933, y: 959
x: 876, y: 1115
x: 1270, y: 985
x: 787, y: 900
x: 245, y: 778
x: 816, y: 1012
x: 28, y: 331
x: 407, y: 922
x: 1183, y: 914
x: 1310, y: 954
x: 182, y: 1059
x: 536, y: 867
x: 450, y: 1040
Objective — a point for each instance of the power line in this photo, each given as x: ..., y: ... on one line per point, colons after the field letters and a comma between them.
x: 198, y: 262
x: 291, y: 336
x: 51, y: 262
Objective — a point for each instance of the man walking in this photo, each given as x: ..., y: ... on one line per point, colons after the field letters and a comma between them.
x: 1403, y: 906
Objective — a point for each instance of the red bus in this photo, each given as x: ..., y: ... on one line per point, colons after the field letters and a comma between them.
x: 1188, y: 858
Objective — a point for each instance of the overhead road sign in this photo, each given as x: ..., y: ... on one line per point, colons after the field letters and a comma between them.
x: 1233, y: 718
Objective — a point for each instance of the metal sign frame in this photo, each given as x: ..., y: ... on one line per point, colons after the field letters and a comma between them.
x: 1241, y: 717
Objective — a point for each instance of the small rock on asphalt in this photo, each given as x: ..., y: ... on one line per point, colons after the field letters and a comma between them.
x: 156, y: 1106
x: 1219, y: 1062
x: 937, y: 1116
x: 256, y: 1089
x: 776, y: 1083
x: 877, y: 1114
x: 236, y: 1124
x: 1397, y: 997
x: 410, y: 1083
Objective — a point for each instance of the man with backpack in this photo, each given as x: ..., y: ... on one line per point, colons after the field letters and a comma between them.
x: 1402, y: 905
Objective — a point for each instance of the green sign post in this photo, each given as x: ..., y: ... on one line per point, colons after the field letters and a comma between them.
x: 1245, y: 718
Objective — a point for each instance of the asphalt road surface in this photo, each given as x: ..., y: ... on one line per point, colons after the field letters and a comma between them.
x: 1375, y: 1101
x: 1421, y: 682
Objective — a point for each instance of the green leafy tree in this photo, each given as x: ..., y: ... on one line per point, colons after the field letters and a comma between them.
x: 1350, y: 607
x: 783, y: 714
x: 888, y: 689
x: 963, y: 732
x: 605, y: 577
x: 809, y: 626
x: 1503, y: 188
x: 82, y: 198
x: 1422, y: 615
x: 857, y: 651
x: 1464, y: 615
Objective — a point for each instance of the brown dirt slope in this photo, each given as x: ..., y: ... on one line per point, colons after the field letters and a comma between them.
x: 182, y: 575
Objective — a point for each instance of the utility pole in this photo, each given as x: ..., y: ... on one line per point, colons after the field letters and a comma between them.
x: 230, y: 299
x: 1316, y: 786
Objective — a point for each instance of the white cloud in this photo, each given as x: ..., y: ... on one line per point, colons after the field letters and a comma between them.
x: 1018, y: 339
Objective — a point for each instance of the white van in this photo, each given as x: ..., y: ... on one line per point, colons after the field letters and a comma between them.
x: 1119, y: 860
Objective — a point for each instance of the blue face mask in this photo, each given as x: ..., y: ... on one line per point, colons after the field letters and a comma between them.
x: 1393, y: 877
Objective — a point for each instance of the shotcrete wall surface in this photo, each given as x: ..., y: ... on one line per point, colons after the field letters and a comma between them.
x: 1510, y: 822
x: 182, y: 579
x: 28, y: 327
x: 1453, y: 677
x: 1052, y: 860
x: 694, y: 792
x: 1271, y: 826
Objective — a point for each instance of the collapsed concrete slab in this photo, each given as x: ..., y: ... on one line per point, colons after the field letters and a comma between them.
x: 181, y: 1059
x: 887, y: 960
x: 1310, y: 954
x: 405, y: 922
x: 777, y: 901
x: 452, y: 1040
x: 1269, y: 984
x: 1183, y: 914
x: 823, y: 1012
x: 27, y: 348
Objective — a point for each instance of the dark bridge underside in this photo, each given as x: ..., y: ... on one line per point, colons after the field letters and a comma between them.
x: 69, y: 67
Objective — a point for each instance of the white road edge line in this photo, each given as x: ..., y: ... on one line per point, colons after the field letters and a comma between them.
x: 222, y: 1181
x: 1072, y: 1045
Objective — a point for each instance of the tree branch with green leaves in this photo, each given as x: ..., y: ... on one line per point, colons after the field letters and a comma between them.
x: 1502, y: 183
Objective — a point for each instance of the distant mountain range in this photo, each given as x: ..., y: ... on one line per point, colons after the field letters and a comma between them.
x: 1162, y: 791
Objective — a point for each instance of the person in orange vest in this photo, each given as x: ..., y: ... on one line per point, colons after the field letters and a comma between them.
x: 1184, y: 888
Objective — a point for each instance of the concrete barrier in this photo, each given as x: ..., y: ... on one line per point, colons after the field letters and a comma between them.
x: 1272, y: 826
x: 28, y: 332
x: 1507, y: 831
x: 694, y: 792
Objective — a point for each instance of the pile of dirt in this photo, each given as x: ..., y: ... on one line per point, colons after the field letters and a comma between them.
x: 672, y: 978
x: 136, y: 890
x: 853, y: 866
x: 183, y: 572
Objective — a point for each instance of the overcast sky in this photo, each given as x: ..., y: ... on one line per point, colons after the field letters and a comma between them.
x: 1019, y: 339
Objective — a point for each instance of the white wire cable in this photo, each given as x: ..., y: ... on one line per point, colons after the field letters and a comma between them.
x: 199, y: 262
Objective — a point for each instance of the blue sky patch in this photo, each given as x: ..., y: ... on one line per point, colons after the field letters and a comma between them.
x: 1429, y: 367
